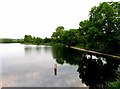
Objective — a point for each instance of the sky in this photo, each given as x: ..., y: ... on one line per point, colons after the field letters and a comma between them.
x: 40, y: 18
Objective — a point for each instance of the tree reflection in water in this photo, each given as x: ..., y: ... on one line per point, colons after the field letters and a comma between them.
x: 95, y: 72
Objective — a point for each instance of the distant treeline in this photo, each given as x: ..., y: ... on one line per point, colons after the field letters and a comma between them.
x: 28, y: 39
x: 9, y: 40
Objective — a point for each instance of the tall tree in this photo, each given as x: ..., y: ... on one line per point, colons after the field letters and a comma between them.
x: 28, y: 39
x: 56, y: 36
x: 102, y: 30
x: 71, y: 37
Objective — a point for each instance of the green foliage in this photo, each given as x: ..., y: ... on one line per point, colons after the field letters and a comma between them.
x: 71, y: 37
x: 67, y: 37
x: 9, y: 40
x: 47, y: 40
x: 28, y: 39
x: 114, y: 85
x: 57, y: 36
x: 38, y: 40
x: 102, y: 30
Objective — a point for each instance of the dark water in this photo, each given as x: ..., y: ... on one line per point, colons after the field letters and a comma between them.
x: 34, y: 66
x: 94, y: 70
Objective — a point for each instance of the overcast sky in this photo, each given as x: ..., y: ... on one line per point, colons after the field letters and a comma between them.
x: 41, y: 17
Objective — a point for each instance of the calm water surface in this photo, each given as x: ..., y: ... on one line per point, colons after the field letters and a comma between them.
x: 33, y: 66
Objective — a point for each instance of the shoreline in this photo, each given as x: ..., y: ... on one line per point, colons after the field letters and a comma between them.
x: 98, y: 53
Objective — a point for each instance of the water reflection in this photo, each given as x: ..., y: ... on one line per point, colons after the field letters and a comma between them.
x: 66, y: 55
x: 47, y: 49
x: 30, y: 49
x: 38, y: 49
x: 95, y: 71
x: 35, y: 70
x: 27, y: 49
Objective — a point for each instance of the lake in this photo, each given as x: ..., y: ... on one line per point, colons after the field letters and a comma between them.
x: 34, y: 66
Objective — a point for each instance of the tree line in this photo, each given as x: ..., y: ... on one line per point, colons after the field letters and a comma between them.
x: 28, y: 39
x: 100, y: 32
x: 9, y: 40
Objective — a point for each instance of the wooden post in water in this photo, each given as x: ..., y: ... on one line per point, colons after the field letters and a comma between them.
x: 55, y: 69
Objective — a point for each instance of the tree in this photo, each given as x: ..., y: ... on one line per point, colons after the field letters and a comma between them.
x: 28, y: 39
x: 38, y: 41
x: 32, y: 40
x: 102, y: 30
x: 71, y: 37
x: 84, y: 26
x: 56, y: 36
x: 47, y: 40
